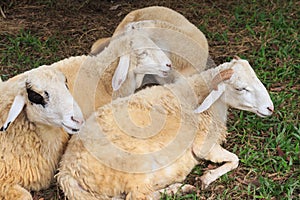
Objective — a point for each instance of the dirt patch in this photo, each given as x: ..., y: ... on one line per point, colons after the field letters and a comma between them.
x: 79, y: 23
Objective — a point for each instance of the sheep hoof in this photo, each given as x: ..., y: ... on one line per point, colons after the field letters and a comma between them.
x: 186, y: 189
x: 136, y: 195
x: 179, y: 188
x: 18, y: 193
x: 206, y: 179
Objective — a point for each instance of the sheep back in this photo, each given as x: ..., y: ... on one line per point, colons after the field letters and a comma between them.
x: 164, y: 14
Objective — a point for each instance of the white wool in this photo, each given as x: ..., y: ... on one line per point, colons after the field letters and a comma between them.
x: 35, y: 107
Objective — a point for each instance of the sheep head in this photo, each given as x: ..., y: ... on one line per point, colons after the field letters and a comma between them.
x: 238, y: 86
x: 45, y: 98
x: 149, y: 59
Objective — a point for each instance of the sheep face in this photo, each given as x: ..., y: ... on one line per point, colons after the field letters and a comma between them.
x: 145, y: 57
x: 46, y: 100
x: 150, y: 58
x: 245, y: 91
x: 152, y: 61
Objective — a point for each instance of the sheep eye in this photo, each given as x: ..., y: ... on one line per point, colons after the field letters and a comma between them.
x: 66, y: 83
x: 142, y: 54
x: 35, y: 97
x: 47, y: 94
x: 241, y: 89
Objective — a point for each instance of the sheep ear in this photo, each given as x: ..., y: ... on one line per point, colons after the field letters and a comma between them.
x: 15, y: 110
x: 139, y: 80
x: 99, y: 46
x: 121, y: 72
x: 213, y: 96
x: 236, y: 57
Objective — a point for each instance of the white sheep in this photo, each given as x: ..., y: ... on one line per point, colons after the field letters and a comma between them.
x: 138, y: 145
x: 116, y: 72
x: 188, y: 56
x: 35, y: 107
x: 165, y: 18
x: 183, y: 42
x: 99, y: 46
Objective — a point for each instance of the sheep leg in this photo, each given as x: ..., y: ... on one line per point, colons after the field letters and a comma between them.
x: 137, y: 195
x: 218, y: 154
x: 173, y: 189
x: 17, y: 192
x: 73, y: 189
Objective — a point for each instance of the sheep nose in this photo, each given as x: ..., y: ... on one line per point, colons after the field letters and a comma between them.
x: 169, y: 65
x: 270, y: 108
x: 79, y: 121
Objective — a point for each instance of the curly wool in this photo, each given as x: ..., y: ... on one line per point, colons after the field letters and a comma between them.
x: 40, y: 148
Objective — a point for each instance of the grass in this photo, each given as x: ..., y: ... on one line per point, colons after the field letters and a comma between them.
x: 264, y: 32
x: 268, y: 148
x: 24, y: 51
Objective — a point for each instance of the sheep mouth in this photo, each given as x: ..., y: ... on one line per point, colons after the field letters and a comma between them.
x: 70, y: 129
x: 164, y: 73
x: 261, y: 114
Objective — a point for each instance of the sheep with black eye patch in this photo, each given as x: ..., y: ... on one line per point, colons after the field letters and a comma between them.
x: 37, y: 112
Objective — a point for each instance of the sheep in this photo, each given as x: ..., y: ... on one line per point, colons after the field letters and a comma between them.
x: 166, y: 27
x: 96, y: 80
x: 99, y: 46
x: 37, y: 112
x: 165, y: 18
x: 188, y: 57
x: 119, y: 153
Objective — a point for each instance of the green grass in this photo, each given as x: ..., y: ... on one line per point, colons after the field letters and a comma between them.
x: 268, y: 148
x: 267, y: 34
x: 26, y: 51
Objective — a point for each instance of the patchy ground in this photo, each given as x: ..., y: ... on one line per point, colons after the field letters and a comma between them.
x: 69, y: 28
x: 77, y: 24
